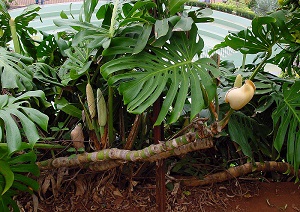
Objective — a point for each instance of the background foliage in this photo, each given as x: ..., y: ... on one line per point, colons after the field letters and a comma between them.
x: 136, y: 54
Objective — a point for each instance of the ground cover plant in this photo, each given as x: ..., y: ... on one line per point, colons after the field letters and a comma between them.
x: 134, y: 88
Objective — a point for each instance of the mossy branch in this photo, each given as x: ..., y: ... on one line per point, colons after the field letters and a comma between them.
x: 199, y: 144
x: 191, y: 141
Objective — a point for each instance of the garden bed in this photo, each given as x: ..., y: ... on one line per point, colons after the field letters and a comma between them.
x: 92, y: 192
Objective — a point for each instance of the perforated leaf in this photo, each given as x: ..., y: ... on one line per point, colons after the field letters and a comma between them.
x: 13, y: 72
x: 28, y: 117
x: 175, y: 68
x: 261, y: 37
x: 287, y: 117
x: 76, y: 65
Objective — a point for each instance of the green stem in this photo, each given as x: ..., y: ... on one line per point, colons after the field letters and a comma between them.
x: 14, y: 35
x: 260, y: 65
x: 39, y: 146
x: 102, y: 131
x: 48, y: 146
x: 51, y: 59
x: 244, y: 61
x: 225, y: 120
x: 110, y: 115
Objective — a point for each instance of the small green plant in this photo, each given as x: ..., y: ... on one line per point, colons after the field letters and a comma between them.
x: 13, y: 168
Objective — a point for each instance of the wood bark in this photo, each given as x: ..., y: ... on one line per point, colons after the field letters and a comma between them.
x: 238, y: 171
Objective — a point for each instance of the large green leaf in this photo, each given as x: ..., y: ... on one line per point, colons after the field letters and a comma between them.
x: 37, y: 95
x: 287, y: 117
x: 28, y: 157
x: 175, y: 67
x: 36, y: 116
x: 87, y: 10
x: 8, y: 175
x: 13, y: 72
x: 241, y: 131
x: 161, y: 28
x: 248, y: 134
x: 176, y: 6
x: 135, y: 22
x: 22, y: 21
x: 4, y: 22
x: 76, y: 65
x: 45, y: 74
x: 67, y: 107
x: 28, y: 117
x: 24, y: 32
x: 49, y: 51
x: 27, y: 181
x: 261, y: 37
x: 78, y: 25
x: 3, y: 8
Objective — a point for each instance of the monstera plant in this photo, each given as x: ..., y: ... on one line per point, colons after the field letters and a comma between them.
x: 17, y: 29
x: 133, y: 55
x: 267, y: 32
x: 175, y: 67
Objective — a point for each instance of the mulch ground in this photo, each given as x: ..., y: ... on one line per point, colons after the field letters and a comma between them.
x: 64, y: 191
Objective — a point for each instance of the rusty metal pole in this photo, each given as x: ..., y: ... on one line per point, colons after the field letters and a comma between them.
x: 158, y: 132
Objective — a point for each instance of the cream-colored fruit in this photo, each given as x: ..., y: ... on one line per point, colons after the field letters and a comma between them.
x: 239, y: 97
x: 91, y: 100
x: 101, y: 109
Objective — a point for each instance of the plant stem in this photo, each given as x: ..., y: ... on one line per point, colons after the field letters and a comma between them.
x: 225, y: 120
x: 113, y: 19
x: 260, y: 65
x: 96, y: 129
x: 189, y: 142
x: 39, y: 146
x: 244, y: 61
x: 110, y: 115
x: 14, y: 35
x: 217, y: 105
x: 48, y: 146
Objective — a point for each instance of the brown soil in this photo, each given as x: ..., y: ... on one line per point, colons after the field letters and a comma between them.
x: 91, y: 192
x: 271, y: 197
